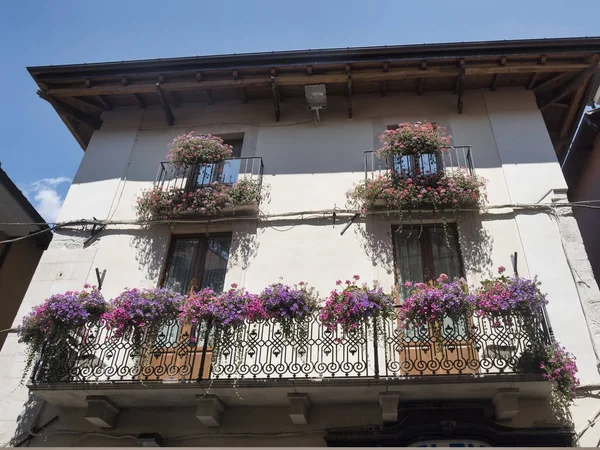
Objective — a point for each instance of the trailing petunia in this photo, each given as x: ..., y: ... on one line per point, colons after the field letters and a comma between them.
x: 288, y: 305
x: 555, y: 364
x: 137, y: 310
x: 354, y: 306
x: 58, y: 316
x: 501, y: 297
x: 432, y: 302
x: 192, y: 148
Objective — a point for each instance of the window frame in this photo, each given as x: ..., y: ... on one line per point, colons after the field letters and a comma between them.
x: 216, y: 168
x: 413, y: 162
x: 200, y: 260
x: 427, y: 257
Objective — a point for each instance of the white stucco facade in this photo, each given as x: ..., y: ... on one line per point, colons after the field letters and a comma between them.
x: 309, y: 167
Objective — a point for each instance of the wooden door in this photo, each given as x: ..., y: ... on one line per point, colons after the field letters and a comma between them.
x: 184, y: 352
x: 421, y: 255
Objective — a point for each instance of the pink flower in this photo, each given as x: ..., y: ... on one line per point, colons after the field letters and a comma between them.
x: 501, y: 269
x: 338, y: 282
x: 234, y: 285
x: 356, y: 277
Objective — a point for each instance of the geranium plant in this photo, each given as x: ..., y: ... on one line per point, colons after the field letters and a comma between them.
x: 354, y: 306
x: 57, y: 317
x: 502, y: 297
x: 402, y: 192
x: 208, y: 200
x: 289, y: 305
x: 413, y: 139
x: 192, y: 148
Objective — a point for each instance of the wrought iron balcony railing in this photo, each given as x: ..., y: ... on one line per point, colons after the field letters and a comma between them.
x: 448, y: 161
x: 262, y: 351
x: 190, y: 177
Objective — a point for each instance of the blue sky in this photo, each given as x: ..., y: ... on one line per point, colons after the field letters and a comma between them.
x: 41, y: 156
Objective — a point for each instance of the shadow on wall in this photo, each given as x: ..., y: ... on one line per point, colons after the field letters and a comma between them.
x: 476, y: 244
x: 375, y: 236
x: 27, y: 422
x: 244, y: 245
x: 150, y: 249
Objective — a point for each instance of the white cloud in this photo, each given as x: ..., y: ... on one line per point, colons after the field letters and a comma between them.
x: 45, y: 197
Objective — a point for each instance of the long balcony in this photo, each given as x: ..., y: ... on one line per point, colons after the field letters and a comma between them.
x: 448, y: 161
x: 481, y: 354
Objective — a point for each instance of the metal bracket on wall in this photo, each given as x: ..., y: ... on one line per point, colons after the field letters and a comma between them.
x: 96, y: 229
x: 354, y: 217
x: 100, y: 277
x: 513, y: 260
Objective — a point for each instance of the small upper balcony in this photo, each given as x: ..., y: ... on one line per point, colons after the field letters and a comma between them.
x: 449, y: 161
x: 471, y: 357
x: 437, y: 180
x: 229, y: 187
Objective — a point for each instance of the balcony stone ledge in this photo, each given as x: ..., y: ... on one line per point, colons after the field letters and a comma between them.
x: 275, y: 392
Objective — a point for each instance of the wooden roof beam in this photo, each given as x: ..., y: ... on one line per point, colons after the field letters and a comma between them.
x: 140, y: 101
x: 532, y: 81
x: 275, y: 94
x: 459, y: 77
x: 71, y: 112
x: 209, y: 97
x: 496, y: 77
x: 536, y: 74
x: 551, y: 83
x: 81, y: 103
x: 165, y: 105
x: 569, y: 87
x: 349, y: 90
x: 171, y: 97
x: 103, y: 100
x: 302, y: 79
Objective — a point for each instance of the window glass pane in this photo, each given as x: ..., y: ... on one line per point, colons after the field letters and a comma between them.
x: 215, y: 265
x: 410, y: 266
x: 231, y: 168
x: 403, y: 165
x: 207, y: 173
x: 180, y: 270
x: 428, y: 163
x: 447, y: 260
x: 409, y: 261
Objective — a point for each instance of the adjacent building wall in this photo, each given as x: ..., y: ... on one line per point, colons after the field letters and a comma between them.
x: 16, y: 271
x: 308, y: 167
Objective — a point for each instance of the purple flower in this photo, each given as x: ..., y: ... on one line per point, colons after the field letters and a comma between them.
x: 353, y: 306
x: 136, y: 309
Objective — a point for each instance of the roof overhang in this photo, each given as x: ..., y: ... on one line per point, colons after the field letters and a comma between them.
x: 561, y: 72
x: 15, y: 208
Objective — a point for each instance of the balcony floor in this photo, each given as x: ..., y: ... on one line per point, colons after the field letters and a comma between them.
x: 274, y: 392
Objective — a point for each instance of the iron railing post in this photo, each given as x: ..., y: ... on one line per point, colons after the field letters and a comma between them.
x: 375, y: 349
x: 204, y: 350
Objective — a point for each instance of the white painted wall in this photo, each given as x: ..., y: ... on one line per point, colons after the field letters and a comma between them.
x: 310, y: 167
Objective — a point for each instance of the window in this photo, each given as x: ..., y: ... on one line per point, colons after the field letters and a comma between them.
x: 198, y: 262
x: 225, y: 172
x: 194, y: 263
x: 421, y: 254
x: 410, y: 165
